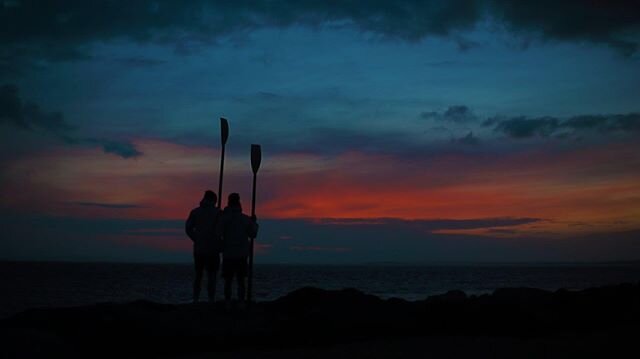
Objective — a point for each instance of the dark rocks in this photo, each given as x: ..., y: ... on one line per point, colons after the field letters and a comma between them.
x: 316, y: 317
x: 452, y: 296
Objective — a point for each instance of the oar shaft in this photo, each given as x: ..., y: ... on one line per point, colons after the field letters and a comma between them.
x: 253, y: 197
x: 256, y: 158
x: 221, y: 177
x: 253, y: 213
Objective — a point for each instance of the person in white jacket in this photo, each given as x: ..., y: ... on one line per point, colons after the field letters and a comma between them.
x: 236, y: 228
x: 201, y: 227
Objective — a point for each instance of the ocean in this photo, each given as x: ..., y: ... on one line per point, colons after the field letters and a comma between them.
x: 52, y: 284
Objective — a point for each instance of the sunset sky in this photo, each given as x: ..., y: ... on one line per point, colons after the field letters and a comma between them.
x: 391, y: 131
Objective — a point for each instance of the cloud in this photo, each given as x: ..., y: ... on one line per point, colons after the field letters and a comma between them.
x: 469, y: 139
x: 319, y: 249
x: 456, y: 114
x: 62, y: 30
x: 524, y: 127
x: 429, y: 225
x: 122, y: 149
x: 28, y: 116
x: 139, y: 62
x: 614, y: 23
x: 107, y: 205
x: 454, y: 130
x: 605, y: 123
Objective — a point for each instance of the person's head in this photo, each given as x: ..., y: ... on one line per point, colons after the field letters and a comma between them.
x: 209, y: 196
x: 234, y: 200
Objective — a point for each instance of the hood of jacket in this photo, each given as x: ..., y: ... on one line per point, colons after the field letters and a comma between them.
x: 205, y: 203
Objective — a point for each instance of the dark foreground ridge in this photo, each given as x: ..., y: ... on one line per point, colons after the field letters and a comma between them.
x: 310, y: 322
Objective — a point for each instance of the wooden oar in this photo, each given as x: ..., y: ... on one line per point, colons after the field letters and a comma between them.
x: 224, y: 135
x: 256, y: 158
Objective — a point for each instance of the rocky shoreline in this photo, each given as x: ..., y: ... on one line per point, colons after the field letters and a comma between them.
x: 313, y: 322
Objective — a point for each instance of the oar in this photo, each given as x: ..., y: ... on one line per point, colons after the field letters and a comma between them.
x: 256, y: 158
x: 224, y: 135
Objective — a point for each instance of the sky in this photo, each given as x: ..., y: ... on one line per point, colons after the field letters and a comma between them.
x: 464, y: 131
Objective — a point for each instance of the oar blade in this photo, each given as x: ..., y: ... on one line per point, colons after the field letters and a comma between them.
x: 256, y: 158
x: 224, y: 130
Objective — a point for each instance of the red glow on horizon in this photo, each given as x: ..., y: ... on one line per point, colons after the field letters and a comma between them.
x: 595, y: 185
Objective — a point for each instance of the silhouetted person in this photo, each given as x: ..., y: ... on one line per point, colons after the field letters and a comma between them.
x: 202, y: 228
x: 236, y: 229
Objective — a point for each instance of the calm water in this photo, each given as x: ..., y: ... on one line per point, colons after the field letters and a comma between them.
x: 25, y: 285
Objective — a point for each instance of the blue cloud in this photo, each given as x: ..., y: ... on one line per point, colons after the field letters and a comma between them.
x: 28, y: 116
x: 60, y: 30
x: 524, y: 127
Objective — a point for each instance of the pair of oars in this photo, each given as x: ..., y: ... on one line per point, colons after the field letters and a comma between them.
x: 256, y: 158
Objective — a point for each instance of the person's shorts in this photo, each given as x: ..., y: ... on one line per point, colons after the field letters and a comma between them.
x: 210, y: 262
x: 234, y: 267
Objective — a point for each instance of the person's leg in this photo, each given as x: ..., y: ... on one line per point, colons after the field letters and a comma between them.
x: 241, y: 271
x: 199, y: 265
x: 212, y: 270
x: 227, y: 274
x: 227, y: 288
x: 241, y: 289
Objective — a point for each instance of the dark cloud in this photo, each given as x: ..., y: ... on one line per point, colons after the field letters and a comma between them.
x: 124, y: 149
x: 477, y: 138
x: 469, y: 139
x: 465, y: 44
x: 120, y: 148
x: 459, y: 114
x: 61, y: 30
x: 605, y: 123
x: 614, y: 23
x: 426, y: 139
x: 319, y: 249
x: 139, y: 62
x: 29, y: 117
x: 402, y: 146
x: 428, y: 224
x: 524, y: 127
x: 456, y: 114
x: 106, y: 205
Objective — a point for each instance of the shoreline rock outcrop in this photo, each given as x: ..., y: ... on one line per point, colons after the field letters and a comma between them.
x: 314, y: 318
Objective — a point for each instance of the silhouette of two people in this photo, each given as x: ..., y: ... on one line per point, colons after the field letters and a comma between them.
x: 213, y: 232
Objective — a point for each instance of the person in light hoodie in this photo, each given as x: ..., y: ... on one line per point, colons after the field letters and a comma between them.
x: 236, y: 229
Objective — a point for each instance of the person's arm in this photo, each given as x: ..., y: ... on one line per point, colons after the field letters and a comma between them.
x: 189, y: 227
x: 252, y: 227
